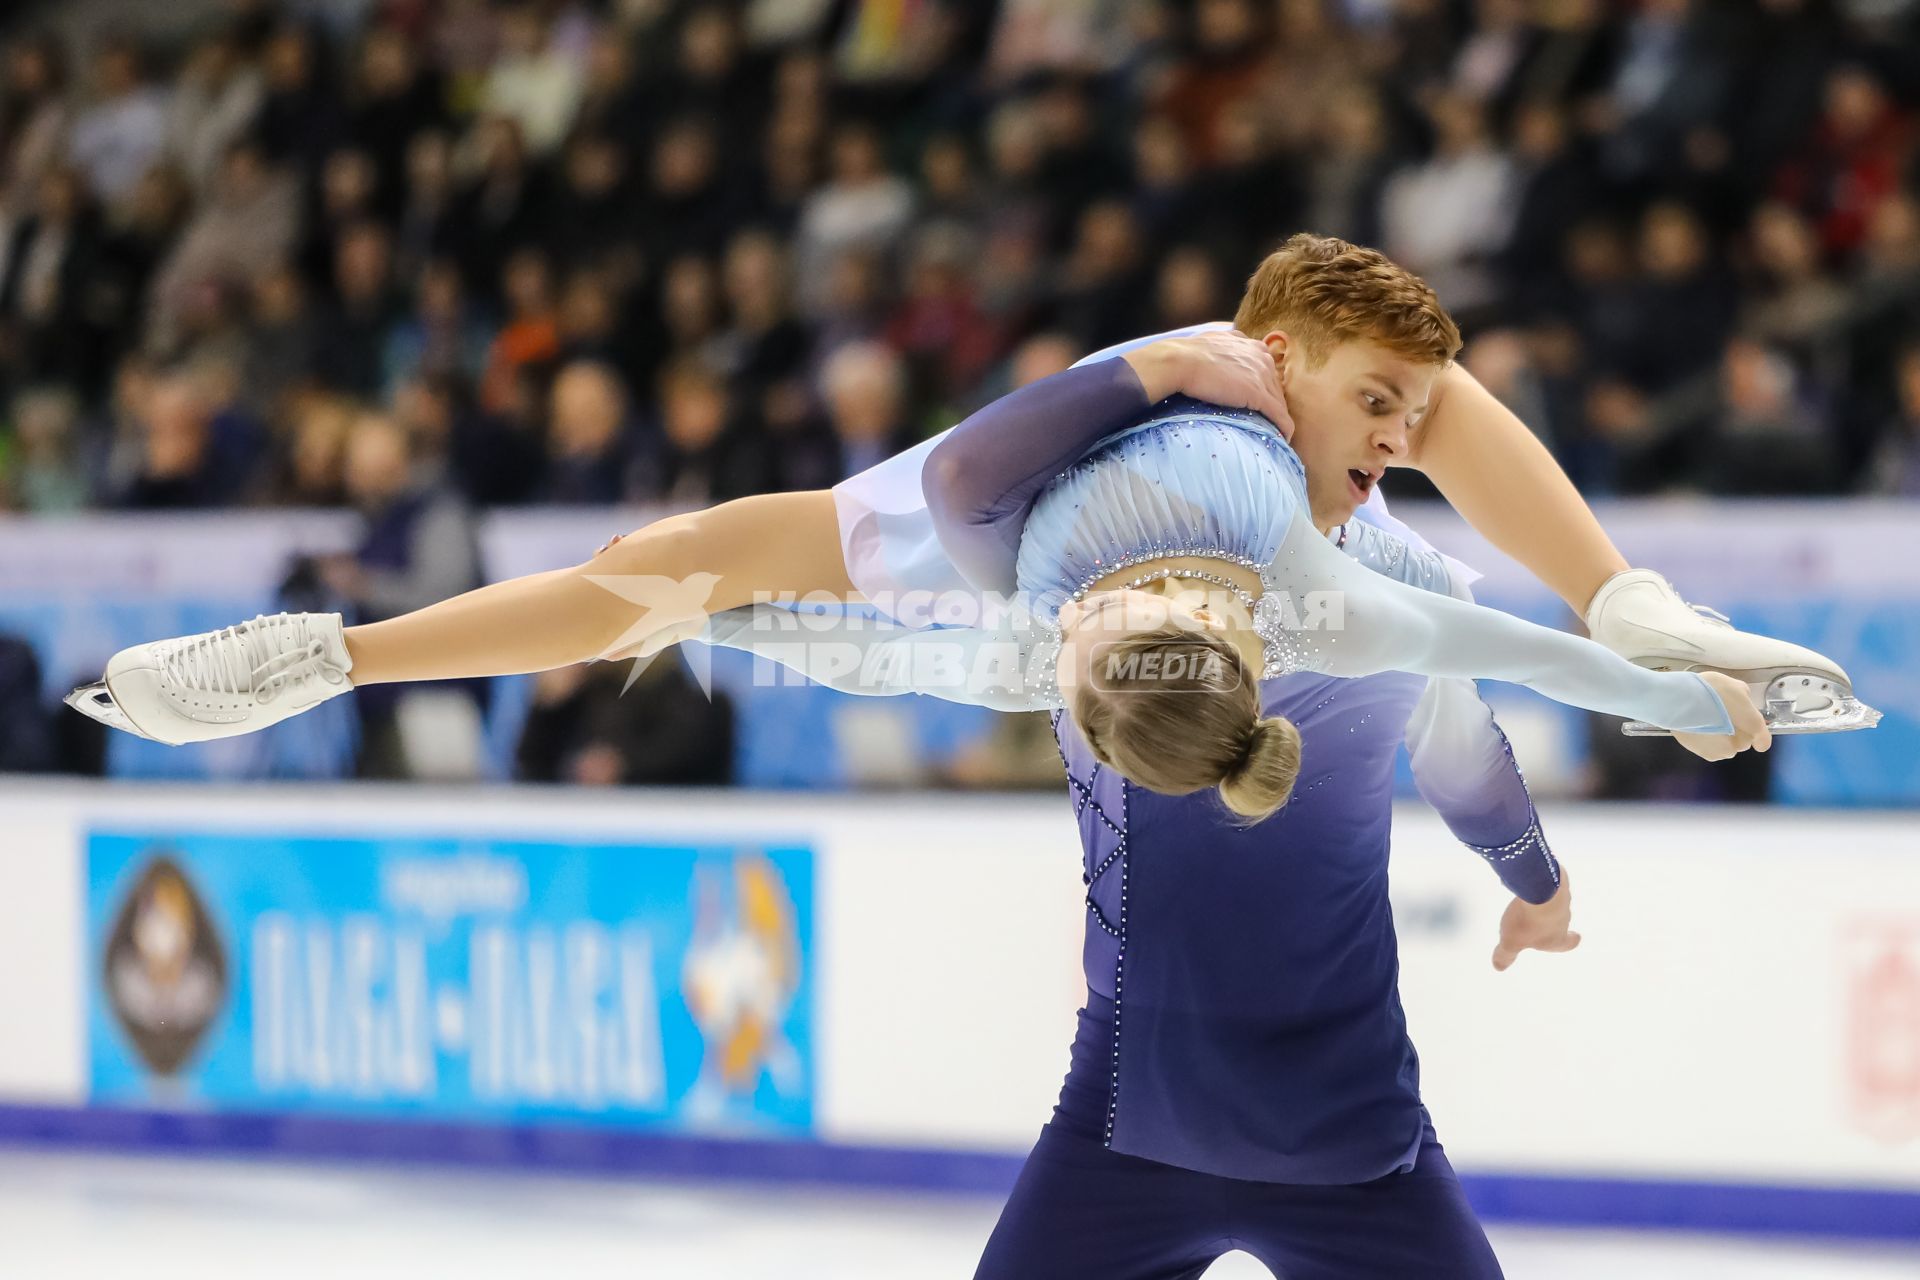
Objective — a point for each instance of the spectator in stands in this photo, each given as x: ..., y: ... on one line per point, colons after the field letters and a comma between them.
x: 393, y: 98
x: 865, y: 388
x: 705, y: 455
x: 765, y: 344
x: 1682, y: 307
x: 300, y: 118
x: 1167, y: 198
x: 530, y: 338
x: 938, y: 325
x: 856, y: 304
x: 588, y: 727
x: 1553, y: 189
x: 951, y: 197
x: 45, y: 322
x: 1042, y: 356
x: 425, y: 230
x: 28, y: 744
x: 589, y: 325
x: 282, y: 341
x: 150, y: 224
x: 691, y: 310
x: 311, y: 471
x: 1448, y: 216
x: 1228, y: 65
x: 123, y: 133
x: 245, y: 228
x: 1795, y: 303
x: 34, y: 114
x: 416, y: 546
x: 43, y: 470
x: 502, y: 209
x: 1105, y: 284
x: 176, y: 463
x: 345, y: 196
x: 1189, y: 290
x: 862, y: 207
x: 218, y: 94
x: 1852, y: 159
x: 443, y: 336
x: 593, y: 209
x: 532, y: 82
x: 612, y: 101
x: 1764, y: 433
x: 710, y: 78
x: 1349, y: 164
x: 1896, y: 464
x: 689, y: 206
x: 1670, y: 78
x: 352, y: 349
x: 588, y: 440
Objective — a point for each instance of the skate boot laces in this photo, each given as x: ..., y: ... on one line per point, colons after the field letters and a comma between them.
x: 261, y: 657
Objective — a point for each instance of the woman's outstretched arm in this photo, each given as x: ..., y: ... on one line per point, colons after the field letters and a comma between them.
x: 1354, y: 622
x: 649, y: 589
x: 983, y: 478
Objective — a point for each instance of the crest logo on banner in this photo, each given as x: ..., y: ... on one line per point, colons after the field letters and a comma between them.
x: 164, y: 967
x: 739, y: 978
x: 1883, y: 1027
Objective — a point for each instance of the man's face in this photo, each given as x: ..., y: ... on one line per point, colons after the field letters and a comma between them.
x: 1351, y: 415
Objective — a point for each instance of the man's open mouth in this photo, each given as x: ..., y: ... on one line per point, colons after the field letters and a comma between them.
x: 1363, y: 481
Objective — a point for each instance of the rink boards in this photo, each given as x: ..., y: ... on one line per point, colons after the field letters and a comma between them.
x: 882, y: 989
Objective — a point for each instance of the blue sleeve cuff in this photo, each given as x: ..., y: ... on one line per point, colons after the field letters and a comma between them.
x: 1525, y: 864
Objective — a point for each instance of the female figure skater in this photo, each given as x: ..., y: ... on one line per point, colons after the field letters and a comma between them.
x: 1357, y: 344
x: 1241, y: 1074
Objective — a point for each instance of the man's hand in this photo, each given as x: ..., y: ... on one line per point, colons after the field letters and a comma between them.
x: 1528, y: 926
x: 1749, y: 726
x: 1221, y: 367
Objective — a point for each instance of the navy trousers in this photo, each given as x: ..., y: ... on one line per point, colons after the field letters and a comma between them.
x: 1082, y: 1212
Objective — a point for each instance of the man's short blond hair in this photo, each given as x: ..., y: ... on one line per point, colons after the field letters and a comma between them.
x: 1322, y: 291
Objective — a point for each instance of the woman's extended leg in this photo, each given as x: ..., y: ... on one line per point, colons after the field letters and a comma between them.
x: 647, y: 590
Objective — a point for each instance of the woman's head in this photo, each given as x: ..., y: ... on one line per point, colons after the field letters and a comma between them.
x: 1165, y: 695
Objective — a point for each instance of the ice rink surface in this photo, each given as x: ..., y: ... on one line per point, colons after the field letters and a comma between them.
x: 73, y: 1217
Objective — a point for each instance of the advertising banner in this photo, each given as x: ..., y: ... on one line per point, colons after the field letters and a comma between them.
x: 498, y: 981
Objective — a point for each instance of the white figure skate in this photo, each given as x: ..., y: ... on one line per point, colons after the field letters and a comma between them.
x: 1639, y: 616
x: 224, y: 683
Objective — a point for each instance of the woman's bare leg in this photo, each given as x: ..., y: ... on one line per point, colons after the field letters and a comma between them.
x: 1497, y: 474
x: 649, y: 589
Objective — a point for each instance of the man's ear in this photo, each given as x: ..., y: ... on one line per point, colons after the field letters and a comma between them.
x: 1281, y: 348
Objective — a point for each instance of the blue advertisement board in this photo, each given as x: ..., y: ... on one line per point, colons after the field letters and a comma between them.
x: 662, y: 985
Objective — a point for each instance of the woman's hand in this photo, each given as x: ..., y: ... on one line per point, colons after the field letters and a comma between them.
x: 1221, y: 367
x: 1749, y: 726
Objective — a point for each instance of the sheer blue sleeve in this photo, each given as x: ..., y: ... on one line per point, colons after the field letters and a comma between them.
x: 1465, y: 769
x: 1354, y: 622
x: 981, y: 480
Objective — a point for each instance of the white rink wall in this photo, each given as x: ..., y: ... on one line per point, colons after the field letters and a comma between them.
x: 1745, y: 1008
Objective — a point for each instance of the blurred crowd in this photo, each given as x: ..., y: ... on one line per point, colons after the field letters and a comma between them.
x: 421, y: 257
x: 432, y: 252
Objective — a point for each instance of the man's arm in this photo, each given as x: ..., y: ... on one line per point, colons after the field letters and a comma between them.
x: 1498, y: 475
x: 1465, y: 769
